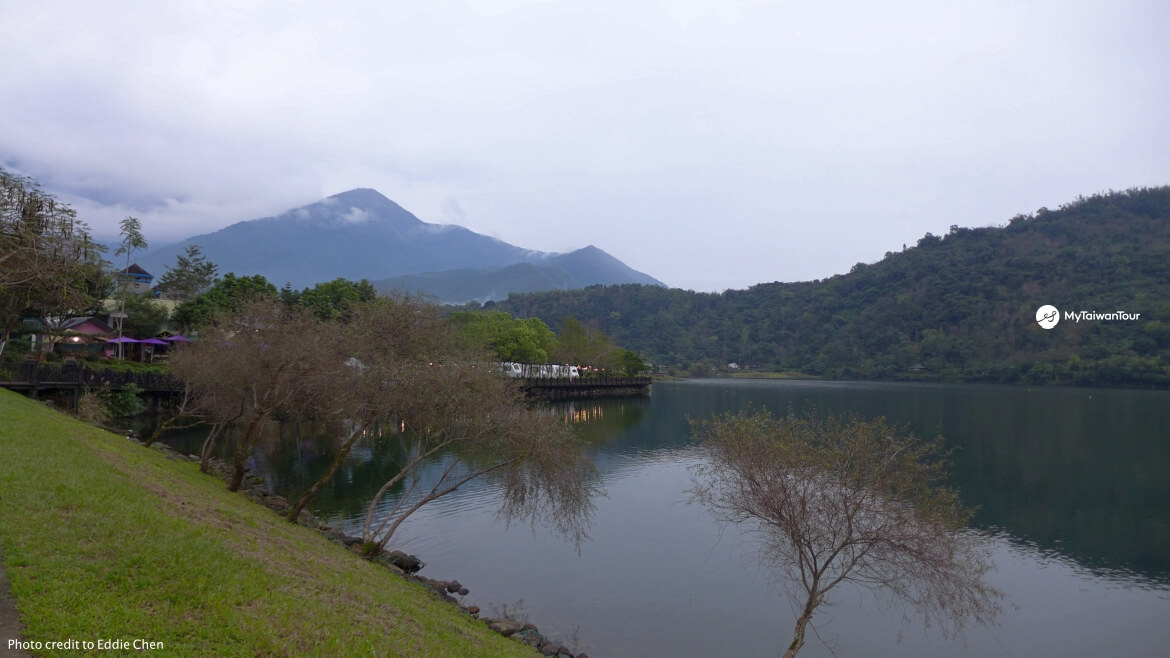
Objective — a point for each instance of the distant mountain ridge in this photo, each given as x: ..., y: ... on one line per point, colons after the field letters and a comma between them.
x: 579, y: 269
x: 961, y: 306
x: 362, y: 234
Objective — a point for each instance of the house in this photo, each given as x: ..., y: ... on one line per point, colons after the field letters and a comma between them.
x: 137, y: 279
x: 74, y: 335
x: 88, y: 326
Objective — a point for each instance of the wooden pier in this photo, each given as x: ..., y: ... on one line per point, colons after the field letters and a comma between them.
x: 563, y: 388
x: 33, y: 378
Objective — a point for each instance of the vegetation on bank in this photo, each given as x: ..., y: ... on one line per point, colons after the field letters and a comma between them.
x: 960, y: 307
x: 105, y: 539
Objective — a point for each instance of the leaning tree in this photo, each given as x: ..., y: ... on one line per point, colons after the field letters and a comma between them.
x: 263, y: 360
x: 458, y: 419
x: 393, y: 361
x: 847, y: 501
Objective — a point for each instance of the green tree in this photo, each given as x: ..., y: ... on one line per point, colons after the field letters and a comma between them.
x: 145, y: 316
x: 508, y: 339
x: 846, y: 501
x: 191, y: 275
x: 229, y: 294
x: 584, y: 344
x: 631, y: 363
x: 289, y: 296
x: 130, y: 230
x: 333, y: 299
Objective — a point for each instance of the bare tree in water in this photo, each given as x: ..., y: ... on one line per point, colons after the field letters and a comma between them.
x: 459, y: 420
x: 396, y: 362
x: 847, y: 501
x: 262, y: 360
x: 468, y: 423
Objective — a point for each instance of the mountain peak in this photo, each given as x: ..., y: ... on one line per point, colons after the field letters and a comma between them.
x: 362, y: 195
x: 359, y: 234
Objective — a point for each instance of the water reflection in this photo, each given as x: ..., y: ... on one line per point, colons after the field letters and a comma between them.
x: 1071, y: 483
x: 1076, y: 472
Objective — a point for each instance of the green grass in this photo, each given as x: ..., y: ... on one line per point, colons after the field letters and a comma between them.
x: 103, y: 538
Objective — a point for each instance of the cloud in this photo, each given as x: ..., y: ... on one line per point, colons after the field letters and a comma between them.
x: 454, y: 212
x: 356, y: 216
x: 764, y: 140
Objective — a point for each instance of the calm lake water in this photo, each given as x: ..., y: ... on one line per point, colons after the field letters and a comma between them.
x: 1072, y: 485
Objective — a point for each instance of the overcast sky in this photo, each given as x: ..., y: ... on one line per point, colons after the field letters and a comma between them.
x: 712, y: 145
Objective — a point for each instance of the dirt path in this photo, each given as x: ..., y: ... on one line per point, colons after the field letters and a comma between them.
x: 10, y: 626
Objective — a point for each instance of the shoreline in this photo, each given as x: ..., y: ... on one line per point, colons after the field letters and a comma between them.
x: 103, y: 539
x: 399, y: 563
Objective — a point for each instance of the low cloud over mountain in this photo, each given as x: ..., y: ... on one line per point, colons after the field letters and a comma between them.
x: 362, y: 234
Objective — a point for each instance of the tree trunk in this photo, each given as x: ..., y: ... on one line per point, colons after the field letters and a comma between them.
x: 295, y: 512
x: 209, y: 447
x: 242, y: 451
x: 798, y: 635
x: 814, y: 599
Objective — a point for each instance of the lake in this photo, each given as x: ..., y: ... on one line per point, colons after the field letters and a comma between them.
x: 1072, y: 488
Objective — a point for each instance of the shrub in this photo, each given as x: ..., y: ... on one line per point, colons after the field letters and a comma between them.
x: 125, y: 403
x: 91, y: 407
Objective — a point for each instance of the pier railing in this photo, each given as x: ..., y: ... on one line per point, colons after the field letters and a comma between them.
x: 558, y: 388
x: 33, y: 376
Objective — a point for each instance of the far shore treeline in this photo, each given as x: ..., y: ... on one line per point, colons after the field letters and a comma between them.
x: 956, y: 307
x: 959, y: 307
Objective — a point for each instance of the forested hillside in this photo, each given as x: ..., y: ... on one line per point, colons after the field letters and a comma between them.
x: 959, y: 306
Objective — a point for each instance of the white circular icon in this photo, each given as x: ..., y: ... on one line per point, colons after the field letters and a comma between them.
x: 1047, y: 316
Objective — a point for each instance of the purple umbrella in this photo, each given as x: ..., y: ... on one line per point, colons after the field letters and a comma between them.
x: 123, y: 339
x: 178, y: 339
x: 154, y: 341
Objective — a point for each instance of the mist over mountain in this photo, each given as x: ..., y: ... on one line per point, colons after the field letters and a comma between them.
x: 362, y: 234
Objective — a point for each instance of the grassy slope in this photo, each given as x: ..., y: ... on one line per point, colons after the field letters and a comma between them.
x: 106, y: 539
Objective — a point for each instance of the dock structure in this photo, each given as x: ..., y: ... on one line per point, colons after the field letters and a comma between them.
x: 33, y: 378
x: 564, y: 388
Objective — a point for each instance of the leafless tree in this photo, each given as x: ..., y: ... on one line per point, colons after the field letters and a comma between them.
x: 389, y: 360
x: 250, y: 365
x: 403, y: 362
x: 370, y: 354
x: 183, y: 415
x: 847, y: 501
x: 468, y: 423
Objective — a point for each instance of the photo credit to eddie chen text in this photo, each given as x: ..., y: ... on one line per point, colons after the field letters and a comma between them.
x: 99, y: 644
